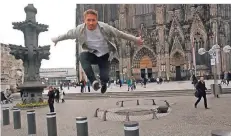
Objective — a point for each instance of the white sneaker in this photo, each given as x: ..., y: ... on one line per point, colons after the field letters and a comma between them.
x: 96, y: 85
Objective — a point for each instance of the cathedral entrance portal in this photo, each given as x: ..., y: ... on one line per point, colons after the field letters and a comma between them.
x: 114, y: 69
x: 178, y: 73
x: 146, y: 67
x: 177, y: 60
x: 149, y: 73
x: 142, y: 73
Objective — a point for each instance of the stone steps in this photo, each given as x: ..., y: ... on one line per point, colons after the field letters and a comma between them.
x: 131, y: 94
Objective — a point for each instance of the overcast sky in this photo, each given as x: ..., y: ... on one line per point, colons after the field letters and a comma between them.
x: 60, y: 16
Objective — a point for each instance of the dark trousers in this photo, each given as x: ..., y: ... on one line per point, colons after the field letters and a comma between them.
x: 199, y: 98
x: 82, y: 88
x: 89, y: 89
x: 87, y: 59
x: 51, y: 106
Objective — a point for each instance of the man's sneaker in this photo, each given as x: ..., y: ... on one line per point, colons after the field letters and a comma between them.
x: 95, y: 85
x: 103, y: 88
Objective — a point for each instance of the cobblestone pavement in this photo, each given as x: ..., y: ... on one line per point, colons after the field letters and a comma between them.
x: 183, y: 120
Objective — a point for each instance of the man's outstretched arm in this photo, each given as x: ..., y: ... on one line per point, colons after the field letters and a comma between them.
x: 125, y: 36
x: 71, y: 34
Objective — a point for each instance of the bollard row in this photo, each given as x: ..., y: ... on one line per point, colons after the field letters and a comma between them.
x: 131, y: 128
x: 138, y: 103
x: 81, y: 123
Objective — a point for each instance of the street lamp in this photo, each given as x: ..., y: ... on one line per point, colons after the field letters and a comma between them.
x: 227, y: 49
x: 213, y: 53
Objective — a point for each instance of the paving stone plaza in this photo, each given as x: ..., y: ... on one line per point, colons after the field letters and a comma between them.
x: 182, y: 120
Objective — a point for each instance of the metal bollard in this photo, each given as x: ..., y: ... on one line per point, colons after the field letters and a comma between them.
x: 82, y: 127
x: 131, y: 129
x: 220, y: 133
x: 154, y: 114
x: 96, y: 112
x: 137, y: 102
x: 167, y: 104
x: 31, y: 122
x: 153, y: 102
x: 127, y: 117
x: 122, y: 104
x: 6, y: 116
x: 105, y: 115
x: 51, y: 124
x: 17, y: 118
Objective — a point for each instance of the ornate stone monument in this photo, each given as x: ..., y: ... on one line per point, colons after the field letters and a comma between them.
x: 31, y: 55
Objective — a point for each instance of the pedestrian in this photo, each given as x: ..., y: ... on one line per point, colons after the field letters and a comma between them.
x: 97, y: 41
x: 51, y: 97
x: 226, y: 77
x: 229, y: 78
x: 201, y: 92
x: 89, y: 86
x: 145, y: 81
x: 82, y: 85
x: 57, y: 96
x: 61, y: 86
x: 62, y: 94
x: 129, y: 82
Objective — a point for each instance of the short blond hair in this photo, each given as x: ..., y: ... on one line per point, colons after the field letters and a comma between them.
x: 90, y: 11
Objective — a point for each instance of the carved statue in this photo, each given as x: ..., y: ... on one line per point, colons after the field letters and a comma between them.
x: 31, y: 55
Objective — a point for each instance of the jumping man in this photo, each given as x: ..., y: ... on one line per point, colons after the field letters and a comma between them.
x: 95, y: 38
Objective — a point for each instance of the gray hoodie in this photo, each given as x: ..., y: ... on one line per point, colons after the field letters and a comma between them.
x: 110, y: 34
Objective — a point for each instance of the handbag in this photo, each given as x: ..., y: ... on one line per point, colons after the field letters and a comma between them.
x: 196, y: 94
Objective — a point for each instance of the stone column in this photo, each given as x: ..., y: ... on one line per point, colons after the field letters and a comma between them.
x: 214, y: 29
x: 122, y: 17
x: 160, y: 22
x: 122, y: 43
x: 167, y: 66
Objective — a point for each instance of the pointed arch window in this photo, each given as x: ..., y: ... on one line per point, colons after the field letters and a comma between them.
x: 199, y: 43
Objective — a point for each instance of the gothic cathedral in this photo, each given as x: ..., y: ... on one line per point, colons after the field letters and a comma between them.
x: 170, y: 32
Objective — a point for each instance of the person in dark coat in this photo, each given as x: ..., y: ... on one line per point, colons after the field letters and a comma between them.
x: 89, y: 86
x: 51, y: 97
x: 145, y: 81
x: 57, y: 97
x: 201, y: 92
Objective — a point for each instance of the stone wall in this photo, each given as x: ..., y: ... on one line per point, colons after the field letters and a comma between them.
x: 10, y: 67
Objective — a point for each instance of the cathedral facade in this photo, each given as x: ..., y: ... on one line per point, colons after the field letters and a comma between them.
x: 170, y: 34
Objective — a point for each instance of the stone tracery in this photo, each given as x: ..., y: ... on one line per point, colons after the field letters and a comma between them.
x: 140, y: 53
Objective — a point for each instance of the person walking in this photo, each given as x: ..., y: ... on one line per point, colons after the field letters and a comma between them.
x: 62, y: 93
x: 97, y: 41
x: 57, y: 96
x: 82, y: 85
x: 51, y: 97
x: 201, y: 92
x: 89, y: 86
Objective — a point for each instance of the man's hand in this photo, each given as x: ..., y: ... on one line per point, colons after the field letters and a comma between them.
x: 140, y: 41
x: 54, y: 40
